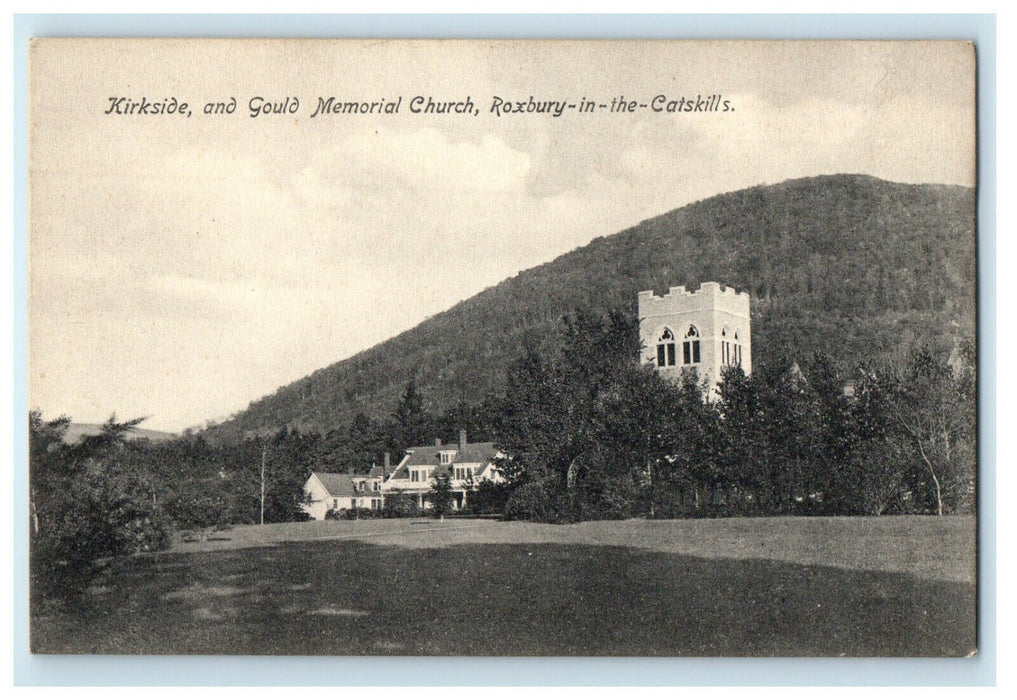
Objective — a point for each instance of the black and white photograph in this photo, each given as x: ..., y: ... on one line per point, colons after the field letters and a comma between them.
x: 503, y: 348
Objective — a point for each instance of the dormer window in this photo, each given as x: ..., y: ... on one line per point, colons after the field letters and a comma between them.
x: 446, y: 457
x: 666, y: 356
x: 690, y: 347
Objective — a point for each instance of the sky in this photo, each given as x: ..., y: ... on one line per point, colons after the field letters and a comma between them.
x: 182, y: 267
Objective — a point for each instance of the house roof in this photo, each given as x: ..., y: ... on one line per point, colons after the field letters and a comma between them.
x: 377, y: 470
x: 429, y: 455
x: 482, y: 452
x: 338, y: 484
x: 471, y: 452
x: 420, y: 455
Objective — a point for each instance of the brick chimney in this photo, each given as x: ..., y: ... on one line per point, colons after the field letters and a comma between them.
x: 462, y: 439
x: 387, y: 463
x: 437, y: 442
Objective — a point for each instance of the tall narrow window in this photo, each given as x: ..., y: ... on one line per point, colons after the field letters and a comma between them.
x: 666, y: 355
x: 690, y: 348
x: 737, y: 352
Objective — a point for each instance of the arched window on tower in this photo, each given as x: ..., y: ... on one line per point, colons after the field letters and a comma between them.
x: 690, y: 348
x: 725, y: 348
x: 666, y: 349
x: 737, y: 358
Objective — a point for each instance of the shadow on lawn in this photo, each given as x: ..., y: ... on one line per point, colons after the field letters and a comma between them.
x: 482, y: 599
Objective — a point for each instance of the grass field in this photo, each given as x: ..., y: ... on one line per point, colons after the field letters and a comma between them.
x: 744, y: 587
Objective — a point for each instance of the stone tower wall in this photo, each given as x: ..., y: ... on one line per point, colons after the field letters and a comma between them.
x: 711, y: 309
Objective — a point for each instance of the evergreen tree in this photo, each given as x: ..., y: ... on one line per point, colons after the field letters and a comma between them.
x: 440, y: 496
x: 410, y: 423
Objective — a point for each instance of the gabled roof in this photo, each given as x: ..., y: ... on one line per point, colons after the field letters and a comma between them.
x: 471, y: 452
x: 482, y: 452
x: 429, y: 455
x: 419, y: 455
x: 339, y: 484
x: 377, y: 471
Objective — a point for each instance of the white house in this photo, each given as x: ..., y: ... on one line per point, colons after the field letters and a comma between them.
x: 466, y: 463
x: 326, y: 491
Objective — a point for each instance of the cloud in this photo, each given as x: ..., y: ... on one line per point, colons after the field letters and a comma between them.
x: 424, y: 160
x: 244, y: 253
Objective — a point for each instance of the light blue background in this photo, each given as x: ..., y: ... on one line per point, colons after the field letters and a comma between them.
x: 214, y: 671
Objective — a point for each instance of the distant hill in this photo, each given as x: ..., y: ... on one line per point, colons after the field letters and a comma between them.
x: 849, y: 265
x: 77, y: 431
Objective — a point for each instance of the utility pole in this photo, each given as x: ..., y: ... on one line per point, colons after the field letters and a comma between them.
x: 649, y: 471
x: 253, y: 435
x: 264, y: 449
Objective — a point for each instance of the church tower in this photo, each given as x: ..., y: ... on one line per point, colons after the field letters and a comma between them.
x: 705, y: 330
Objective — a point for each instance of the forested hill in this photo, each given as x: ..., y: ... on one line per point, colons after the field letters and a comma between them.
x: 848, y: 265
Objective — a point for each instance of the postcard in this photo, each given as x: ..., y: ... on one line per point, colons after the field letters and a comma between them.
x: 503, y: 348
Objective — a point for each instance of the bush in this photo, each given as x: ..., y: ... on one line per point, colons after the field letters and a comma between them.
x: 620, y: 499
x: 352, y: 514
x: 97, y: 518
x: 440, y: 496
x: 197, y: 506
x: 488, y: 498
x: 400, y: 505
x: 534, y: 501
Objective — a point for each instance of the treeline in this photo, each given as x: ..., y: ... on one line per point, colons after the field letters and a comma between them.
x: 589, y: 433
x: 593, y: 435
x: 109, y: 494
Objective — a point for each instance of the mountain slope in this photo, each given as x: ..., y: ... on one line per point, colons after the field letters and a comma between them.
x: 849, y: 265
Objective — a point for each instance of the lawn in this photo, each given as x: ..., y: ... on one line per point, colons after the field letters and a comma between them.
x: 746, y: 587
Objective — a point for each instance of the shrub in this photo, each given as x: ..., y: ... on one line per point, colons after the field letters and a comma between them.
x: 440, y: 496
x: 199, y: 507
x: 618, y: 499
x: 400, y: 505
x: 97, y: 517
x: 352, y: 514
x: 534, y: 501
x: 488, y: 498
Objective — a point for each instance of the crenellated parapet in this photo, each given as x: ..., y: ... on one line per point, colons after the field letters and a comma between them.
x: 679, y: 299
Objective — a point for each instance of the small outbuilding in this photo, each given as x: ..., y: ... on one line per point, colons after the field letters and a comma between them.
x: 326, y: 491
